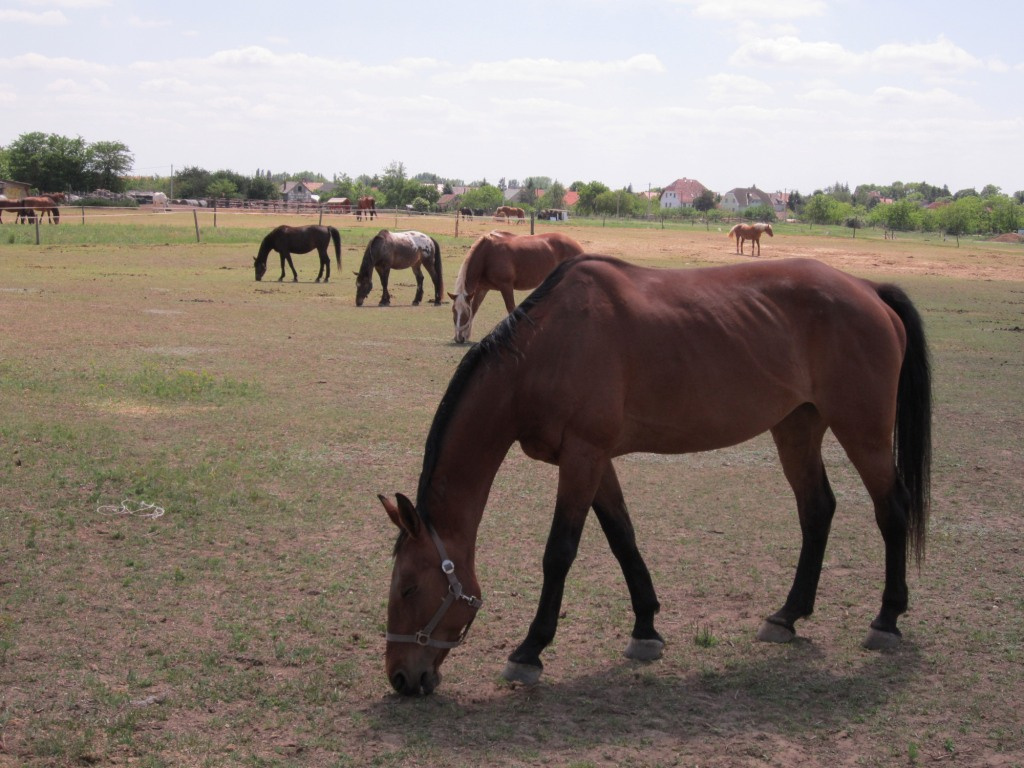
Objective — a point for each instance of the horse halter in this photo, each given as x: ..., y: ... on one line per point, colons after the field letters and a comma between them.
x: 454, y: 593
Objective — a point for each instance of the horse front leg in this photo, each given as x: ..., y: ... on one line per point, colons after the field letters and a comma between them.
x: 645, y: 643
x: 510, y: 298
x: 385, y: 297
x: 578, y: 478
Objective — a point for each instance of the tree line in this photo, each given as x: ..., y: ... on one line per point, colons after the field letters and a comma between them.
x: 55, y: 163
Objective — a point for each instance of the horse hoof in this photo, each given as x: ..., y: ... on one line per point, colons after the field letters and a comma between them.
x: 775, y: 633
x: 644, y: 650
x: 527, y: 674
x: 877, y: 640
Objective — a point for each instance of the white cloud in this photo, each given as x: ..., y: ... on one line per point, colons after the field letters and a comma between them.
x: 741, y: 10
x: 38, y: 62
x: 44, y: 19
x: 941, y: 57
x: 554, y: 72
x: 726, y: 87
x: 137, y: 22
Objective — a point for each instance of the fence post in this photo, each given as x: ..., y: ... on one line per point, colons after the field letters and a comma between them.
x: 321, y: 215
x: 214, y: 216
x: 195, y: 218
x: 37, y: 229
x: 83, y: 215
x: 531, y: 222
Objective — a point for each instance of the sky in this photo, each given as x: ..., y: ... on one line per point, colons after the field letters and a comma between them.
x: 781, y: 94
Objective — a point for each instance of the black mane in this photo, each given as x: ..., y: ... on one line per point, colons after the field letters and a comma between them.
x: 500, y: 340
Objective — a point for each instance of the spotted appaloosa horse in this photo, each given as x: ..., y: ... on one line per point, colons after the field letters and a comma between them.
x: 607, y: 358
x: 400, y: 250
x: 751, y: 232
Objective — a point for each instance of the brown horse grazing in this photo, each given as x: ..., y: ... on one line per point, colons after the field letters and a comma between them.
x: 400, y: 250
x: 606, y: 358
x: 366, y: 206
x: 44, y: 205
x: 501, y: 261
x: 288, y: 240
x: 751, y: 232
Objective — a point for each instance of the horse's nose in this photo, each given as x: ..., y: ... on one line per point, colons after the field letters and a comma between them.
x: 408, y: 686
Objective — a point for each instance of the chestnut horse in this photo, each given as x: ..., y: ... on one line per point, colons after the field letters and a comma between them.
x: 366, y: 206
x: 400, y: 250
x: 751, y: 232
x: 501, y: 261
x: 511, y: 212
x: 606, y: 358
x: 288, y: 240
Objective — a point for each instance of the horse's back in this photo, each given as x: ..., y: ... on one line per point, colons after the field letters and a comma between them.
x: 521, y: 261
x: 685, y: 360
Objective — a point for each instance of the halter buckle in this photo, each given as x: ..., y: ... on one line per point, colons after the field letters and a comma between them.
x: 447, y: 567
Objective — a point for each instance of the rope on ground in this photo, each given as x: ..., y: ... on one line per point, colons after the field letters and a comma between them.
x: 126, y: 507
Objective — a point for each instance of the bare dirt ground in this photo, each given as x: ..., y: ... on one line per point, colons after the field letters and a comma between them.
x: 244, y: 627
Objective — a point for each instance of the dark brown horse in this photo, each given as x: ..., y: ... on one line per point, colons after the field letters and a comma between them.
x: 366, y: 206
x: 501, y: 261
x: 606, y: 358
x: 751, y: 232
x: 400, y: 250
x: 288, y: 240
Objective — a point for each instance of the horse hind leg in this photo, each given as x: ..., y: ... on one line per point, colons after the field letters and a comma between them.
x: 325, y: 265
x: 798, y: 441
x: 419, y: 285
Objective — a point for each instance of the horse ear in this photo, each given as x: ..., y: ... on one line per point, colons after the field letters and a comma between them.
x: 452, y: 296
x: 356, y: 274
x: 403, y: 514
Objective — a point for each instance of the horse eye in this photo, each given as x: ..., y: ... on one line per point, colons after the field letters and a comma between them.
x: 409, y: 591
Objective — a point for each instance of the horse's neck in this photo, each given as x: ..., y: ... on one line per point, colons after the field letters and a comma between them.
x: 472, y: 449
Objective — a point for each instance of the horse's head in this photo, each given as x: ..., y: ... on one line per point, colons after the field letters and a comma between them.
x: 364, y: 284
x: 260, y: 262
x: 462, y: 315
x: 431, y: 603
x: 768, y: 229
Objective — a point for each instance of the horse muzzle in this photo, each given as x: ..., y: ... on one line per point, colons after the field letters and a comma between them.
x: 408, y: 684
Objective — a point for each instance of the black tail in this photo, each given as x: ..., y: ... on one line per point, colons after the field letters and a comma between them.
x: 336, y: 237
x: 912, y: 440
x: 437, y: 266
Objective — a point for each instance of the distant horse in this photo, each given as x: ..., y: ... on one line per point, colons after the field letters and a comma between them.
x: 466, y: 213
x: 607, y: 358
x: 366, y: 206
x: 501, y: 261
x: 399, y: 250
x: 159, y: 200
x: 751, y: 232
x: 288, y: 240
x: 44, y: 205
x: 509, y: 213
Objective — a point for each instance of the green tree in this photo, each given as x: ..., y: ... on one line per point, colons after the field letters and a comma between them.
x: 822, y: 209
x: 221, y: 188
x: 554, y: 196
x: 49, y: 162
x: 191, y: 182
x: 262, y: 188
x: 705, y: 201
x: 486, y: 197
x: 109, y: 162
x: 393, y: 186
x: 1006, y: 214
x: 587, y: 204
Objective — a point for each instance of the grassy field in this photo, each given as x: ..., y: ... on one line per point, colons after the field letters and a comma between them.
x: 244, y: 625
